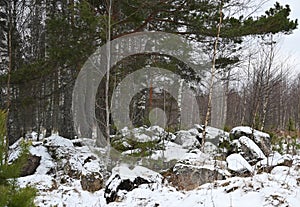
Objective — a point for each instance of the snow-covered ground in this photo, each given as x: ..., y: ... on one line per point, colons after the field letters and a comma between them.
x: 64, y: 162
x: 276, y: 189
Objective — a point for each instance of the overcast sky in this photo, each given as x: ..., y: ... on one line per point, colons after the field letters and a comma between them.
x: 290, y: 44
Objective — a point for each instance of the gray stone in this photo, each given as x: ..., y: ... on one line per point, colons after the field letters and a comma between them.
x: 189, y: 177
x: 31, y: 165
x: 248, y: 149
x: 196, y: 170
x: 261, y: 139
x: 91, y: 181
x: 187, y: 140
x: 125, y: 178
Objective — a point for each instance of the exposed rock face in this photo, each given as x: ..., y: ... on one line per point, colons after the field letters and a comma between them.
x: 196, y: 170
x: 31, y: 165
x: 296, y: 162
x: 287, y: 161
x: 189, y: 177
x: 91, y: 181
x: 71, y: 170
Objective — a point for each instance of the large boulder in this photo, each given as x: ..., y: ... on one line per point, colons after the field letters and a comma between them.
x: 261, y: 139
x: 139, y: 142
x: 91, y: 178
x: 194, y: 170
x: 142, y: 134
x: 76, y: 162
x: 123, y: 180
x: 215, y: 135
x: 29, y: 168
x: 238, y: 165
x: 91, y: 181
x: 248, y: 149
x: 187, y: 139
x: 32, y: 163
x: 192, y: 138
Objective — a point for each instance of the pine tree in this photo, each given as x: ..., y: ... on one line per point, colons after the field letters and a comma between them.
x: 42, y: 83
x: 10, y: 193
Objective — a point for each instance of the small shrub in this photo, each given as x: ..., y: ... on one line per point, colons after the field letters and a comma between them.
x: 227, y: 128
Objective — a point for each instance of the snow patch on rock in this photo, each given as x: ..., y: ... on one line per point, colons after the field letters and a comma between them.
x: 252, y: 146
x: 237, y: 163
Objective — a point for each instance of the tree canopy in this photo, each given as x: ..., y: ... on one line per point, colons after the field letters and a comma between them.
x: 52, y: 39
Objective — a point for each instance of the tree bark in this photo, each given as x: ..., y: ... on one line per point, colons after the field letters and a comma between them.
x: 212, y: 78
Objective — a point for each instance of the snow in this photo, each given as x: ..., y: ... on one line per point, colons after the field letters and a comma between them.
x: 186, y: 139
x: 213, y: 132
x: 40, y: 181
x: 137, y: 171
x: 259, y: 190
x: 143, y: 134
x: 237, y: 163
x: 58, y: 141
x: 71, y: 197
x: 277, y: 188
x: 129, y: 152
x: 252, y: 146
x: 46, y: 162
x: 172, y: 151
x: 157, y: 129
x: 143, y: 138
x: 248, y: 130
x: 14, y: 150
x: 274, y: 159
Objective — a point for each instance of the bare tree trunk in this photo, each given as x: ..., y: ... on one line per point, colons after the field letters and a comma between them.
x: 180, y: 90
x: 255, y: 115
x: 107, y: 106
x: 9, y: 69
x: 225, y: 99
x: 55, y: 100
x: 268, y: 89
x: 264, y: 112
x: 280, y: 105
x: 212, y: 79
x: 244, y: 107
x: 245, y: 90
x: 257, y: 91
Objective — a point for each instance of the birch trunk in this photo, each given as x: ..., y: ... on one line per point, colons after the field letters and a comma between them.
x: 268, y: 88
x: 9, y: 69
x: 107, y: 105
x: 212, y: 79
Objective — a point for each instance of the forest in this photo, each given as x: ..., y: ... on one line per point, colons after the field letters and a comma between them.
x: 148, y: 103
x: 45, y: 43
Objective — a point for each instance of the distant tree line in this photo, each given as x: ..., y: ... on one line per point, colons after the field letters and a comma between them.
x: 44, y: 44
